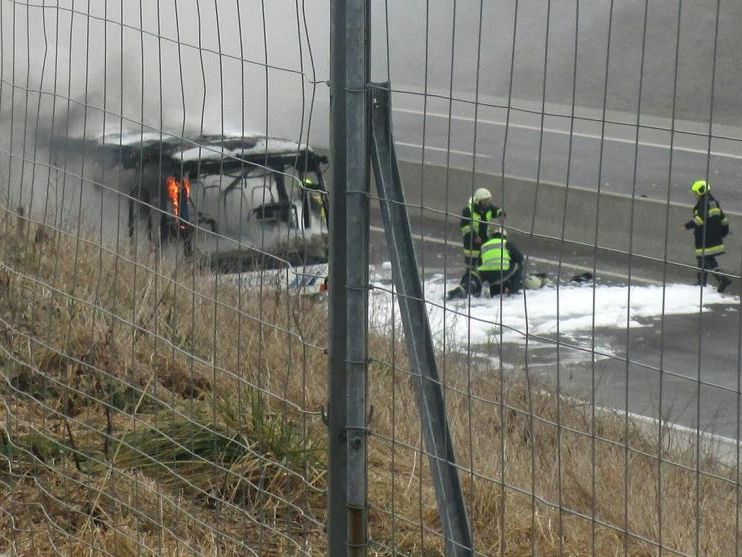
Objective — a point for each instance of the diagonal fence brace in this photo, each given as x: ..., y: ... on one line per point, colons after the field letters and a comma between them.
x: 449, y: 496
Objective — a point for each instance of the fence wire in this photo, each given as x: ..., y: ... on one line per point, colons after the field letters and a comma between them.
x: 162, y: 386
x: 164, y: 342
x: 584, y: 420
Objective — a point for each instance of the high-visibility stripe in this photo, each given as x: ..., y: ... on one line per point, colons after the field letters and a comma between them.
x: 471, y: 252
x: 714, y: 212
x: 712, y: 250
x: 698, y: 219
x: 495, y: 256
x: 476, y: 219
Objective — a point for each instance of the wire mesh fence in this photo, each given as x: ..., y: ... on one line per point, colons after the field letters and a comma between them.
x: 162, y: 387
x: 167, y: 215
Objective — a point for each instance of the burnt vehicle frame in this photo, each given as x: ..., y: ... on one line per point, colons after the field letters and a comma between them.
x: 292, y: 194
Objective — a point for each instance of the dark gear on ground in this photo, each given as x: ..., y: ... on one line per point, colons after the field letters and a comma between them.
x: 534, y: 281
x: 472, y: 283
x: 478, y: 215
x: 710, y: 226
x: 582, y: 277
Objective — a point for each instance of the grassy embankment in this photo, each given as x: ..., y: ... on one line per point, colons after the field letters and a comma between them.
x: 150, y: 409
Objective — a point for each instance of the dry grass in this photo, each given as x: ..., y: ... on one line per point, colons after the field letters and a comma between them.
x: 152, y: 409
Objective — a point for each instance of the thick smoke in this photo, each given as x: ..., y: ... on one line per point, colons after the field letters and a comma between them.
x: 71, y: 77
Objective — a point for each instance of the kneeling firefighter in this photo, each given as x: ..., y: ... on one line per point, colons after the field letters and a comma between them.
x: 501, y: 268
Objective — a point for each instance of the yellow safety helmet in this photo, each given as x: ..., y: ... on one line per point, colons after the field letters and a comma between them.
x: 482, y: 194
x: 700, y: 187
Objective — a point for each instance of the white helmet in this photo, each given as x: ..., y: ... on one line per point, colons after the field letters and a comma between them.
x: 482, y: 194
x: 497, y: 229
x: 533, y: 282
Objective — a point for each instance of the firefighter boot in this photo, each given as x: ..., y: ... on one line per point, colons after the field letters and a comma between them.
x: 724, y: 282
x: 701, y: 278
x: 456, y: 294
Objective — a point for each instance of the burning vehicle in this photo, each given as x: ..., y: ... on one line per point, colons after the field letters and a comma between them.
x: 239, y: 202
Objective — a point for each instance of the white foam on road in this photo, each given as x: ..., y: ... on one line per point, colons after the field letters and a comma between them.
x: 570, y: 310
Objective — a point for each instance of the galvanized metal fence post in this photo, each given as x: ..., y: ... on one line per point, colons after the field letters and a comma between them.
x: 348, y: 278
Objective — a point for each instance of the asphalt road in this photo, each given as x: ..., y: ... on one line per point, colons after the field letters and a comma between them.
x: 652, y: 164
x: 677, y: 65
x: 663, y: 76
x: 683, y: 369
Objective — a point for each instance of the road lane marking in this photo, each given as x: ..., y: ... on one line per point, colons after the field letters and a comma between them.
x: 579, y: 134
x: 441, y: 149
x: 571, y: 266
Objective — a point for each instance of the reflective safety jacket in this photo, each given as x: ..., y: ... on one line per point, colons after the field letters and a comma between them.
x: 710, y: 225
x: 495, y: 255
x: 474, y: 223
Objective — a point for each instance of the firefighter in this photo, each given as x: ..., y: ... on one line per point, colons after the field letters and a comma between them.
x: 316, y: 197
x: 501, y: 268
x: 178, y: 192
x: 502, y: 264
x: 476, y: 217
x: 478, y: 214
x: 710, y: 226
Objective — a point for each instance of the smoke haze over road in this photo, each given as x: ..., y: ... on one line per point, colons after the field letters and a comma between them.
x: 83, y: 69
